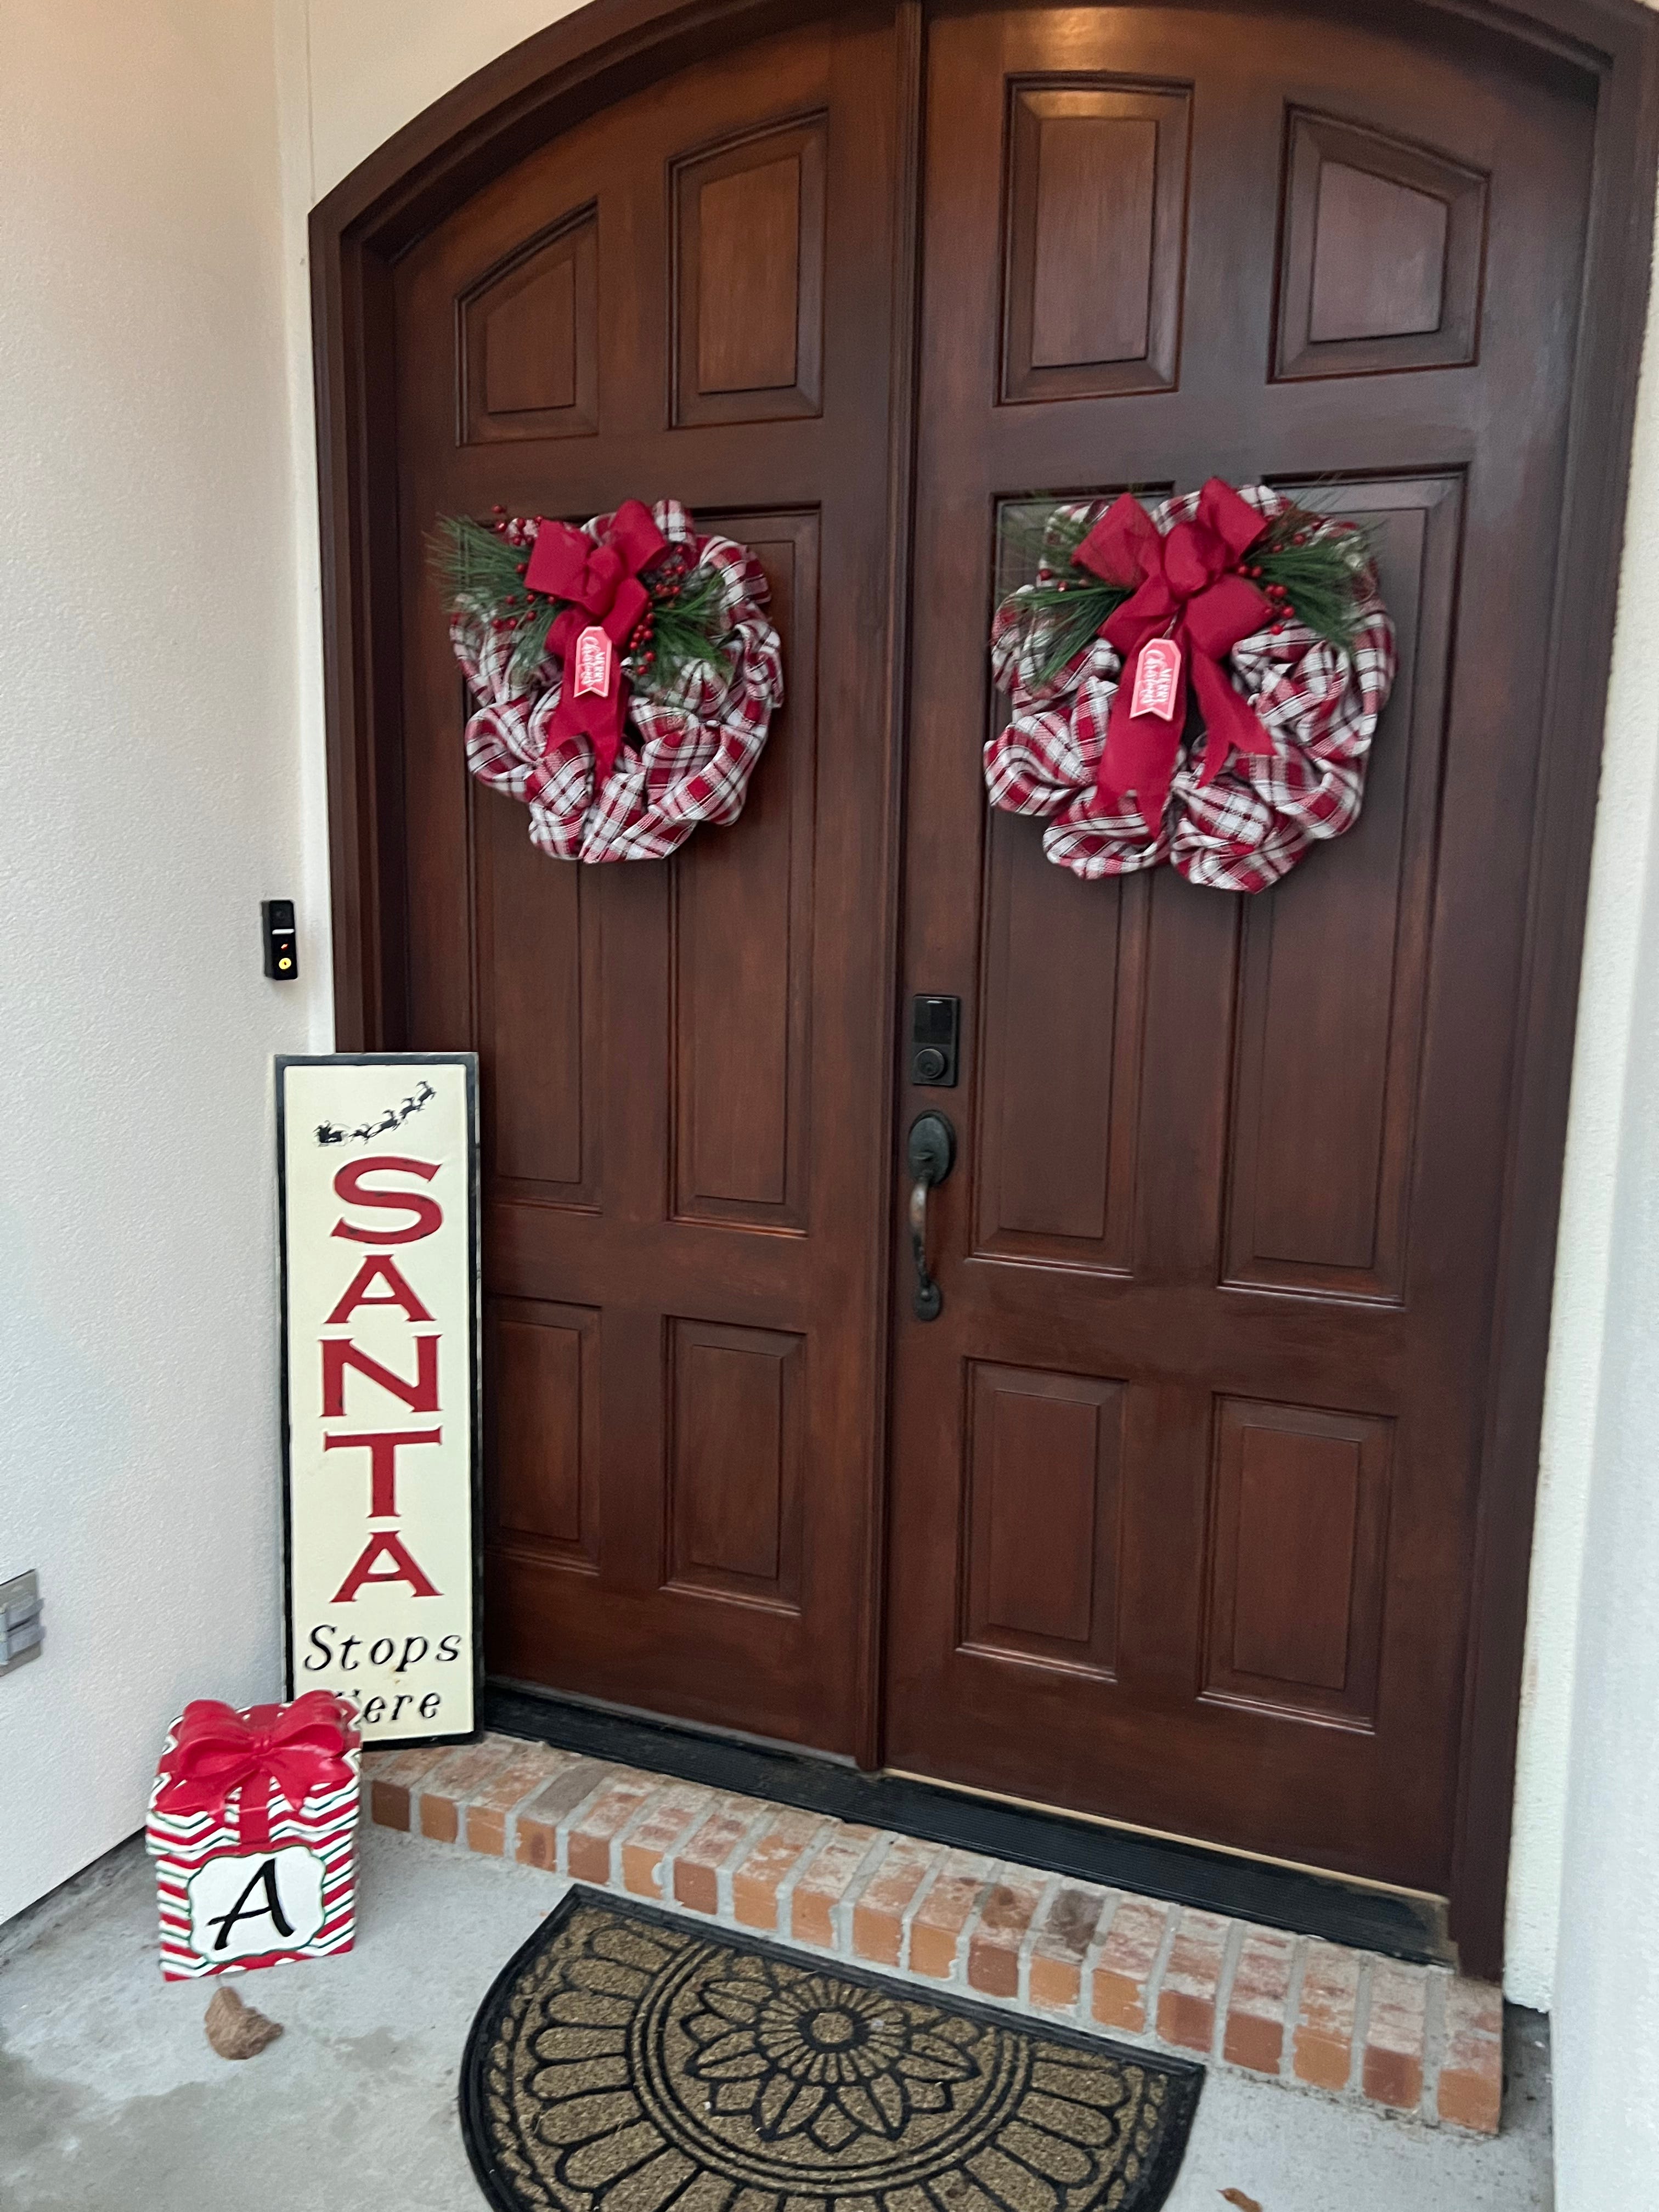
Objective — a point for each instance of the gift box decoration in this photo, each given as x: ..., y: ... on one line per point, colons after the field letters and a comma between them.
x: 253, y: 1827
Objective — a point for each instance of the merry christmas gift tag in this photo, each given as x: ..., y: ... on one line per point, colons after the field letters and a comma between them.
x: 1158, y: 678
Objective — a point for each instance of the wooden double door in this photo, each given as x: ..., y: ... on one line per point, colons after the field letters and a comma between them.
x: 1170, y: 1515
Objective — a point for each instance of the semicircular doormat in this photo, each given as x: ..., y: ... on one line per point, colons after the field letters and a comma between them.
x: 626, y: 2061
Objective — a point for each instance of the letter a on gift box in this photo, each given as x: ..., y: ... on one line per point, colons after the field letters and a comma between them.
x: 379, y: 1179
x: 247, y: 1907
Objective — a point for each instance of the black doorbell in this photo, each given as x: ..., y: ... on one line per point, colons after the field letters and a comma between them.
x: 282, y: 941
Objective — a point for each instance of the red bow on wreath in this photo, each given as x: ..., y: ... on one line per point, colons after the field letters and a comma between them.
x: 218, y: 1751
x: 1191, y: 607
x: 602, y: 584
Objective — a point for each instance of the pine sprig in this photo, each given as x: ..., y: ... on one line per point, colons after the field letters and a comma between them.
x: 482, y: 570
x: 1322, y: 569
x: 1312, y: 568
x: 1066, y: 605
x: 686, y: 627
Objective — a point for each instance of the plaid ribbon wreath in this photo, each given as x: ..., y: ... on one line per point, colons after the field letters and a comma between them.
x: 1251, y: 823
x: 688, y: 752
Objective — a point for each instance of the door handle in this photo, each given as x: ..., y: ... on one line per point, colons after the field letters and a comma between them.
x: 932, y: 1152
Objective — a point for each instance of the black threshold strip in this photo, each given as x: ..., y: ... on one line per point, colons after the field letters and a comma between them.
x: 1402, y: 1927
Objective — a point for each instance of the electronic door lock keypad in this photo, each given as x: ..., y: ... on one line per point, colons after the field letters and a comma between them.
x: 934, y: 1025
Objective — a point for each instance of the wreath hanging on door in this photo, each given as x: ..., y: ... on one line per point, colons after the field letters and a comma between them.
x: 1197, y: 682
x: 625, y: 672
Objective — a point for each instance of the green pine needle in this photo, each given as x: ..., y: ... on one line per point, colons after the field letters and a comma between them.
x: 1324, y: 578
x: 686, y: 627
x: 482, y: 574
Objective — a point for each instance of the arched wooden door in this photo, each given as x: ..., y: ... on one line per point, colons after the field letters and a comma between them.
x: 1204, y: 1504
x: 1186, y: 1474
x: 684, y: 1072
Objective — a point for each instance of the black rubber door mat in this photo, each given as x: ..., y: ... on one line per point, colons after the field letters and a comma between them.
x: 628, y: 2061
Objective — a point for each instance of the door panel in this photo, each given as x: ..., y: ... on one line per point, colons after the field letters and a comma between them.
x: 1300, y: 1500
x: 683, y: 1063
x: 742, y: 931
x: 1182, y: 1500
x: 1055, y: 1157
x: 1333, y: 968
x: 1097, y: 176
x: 1042, y: 1460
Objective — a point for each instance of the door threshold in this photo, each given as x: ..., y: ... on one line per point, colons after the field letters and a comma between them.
x: 1364, y: 1915
x: 1427, y: 1900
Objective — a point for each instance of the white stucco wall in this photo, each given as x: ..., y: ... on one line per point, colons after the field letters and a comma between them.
x: 1587, y: 1413
x: 1606, y: 1989
x: 147, y: 773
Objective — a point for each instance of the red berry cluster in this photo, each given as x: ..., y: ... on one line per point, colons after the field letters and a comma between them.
x: 503, y: 529
x: 1277, y: 599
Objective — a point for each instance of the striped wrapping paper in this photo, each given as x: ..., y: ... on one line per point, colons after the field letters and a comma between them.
x: 182, y: 1845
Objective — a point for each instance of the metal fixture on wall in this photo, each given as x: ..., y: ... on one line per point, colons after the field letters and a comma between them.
x: 21, y: 1629
x: 282, y: 939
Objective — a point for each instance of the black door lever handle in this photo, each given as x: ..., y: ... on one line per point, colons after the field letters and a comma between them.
x: 931, y: 1153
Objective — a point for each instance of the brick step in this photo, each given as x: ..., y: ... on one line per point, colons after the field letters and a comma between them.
x: 1418, y: 2041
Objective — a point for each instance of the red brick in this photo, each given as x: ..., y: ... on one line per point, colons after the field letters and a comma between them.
x: 530, y: 1767
x: 886, y: 1897
x: 447, y: 1789
x: 1187, y: 2000
x: 588, y: 1843
x: 1124, y: 1967
x: 1393, y: 2071
x: 645, y: 1847
x: 1471, y: 2090
x: 1004, y: 1918
x: 1255, y: 2034
x: 939, y: 1919
x: 540, y: 1821
x: 1322, y: 2046
x: 393, y: 1776
x: 824, y: 1882
x: 769, y: 1863
x: 697, y: 1876
x: 1064, y: 1934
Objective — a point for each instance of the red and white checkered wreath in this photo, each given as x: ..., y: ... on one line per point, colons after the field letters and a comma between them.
x: 625, y: 672
x: 1197, y: 683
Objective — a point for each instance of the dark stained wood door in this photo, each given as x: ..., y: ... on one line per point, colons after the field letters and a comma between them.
x: 1180, y: 1490
x: 1183, y: 1480
x: 684, y: 1064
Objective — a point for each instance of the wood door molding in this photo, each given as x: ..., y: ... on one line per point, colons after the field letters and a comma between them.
x: 612, y: 48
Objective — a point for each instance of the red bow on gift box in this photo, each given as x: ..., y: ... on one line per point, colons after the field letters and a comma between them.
x: 219, y: 1751
x: 1189, y: 595
x: 602, y: 584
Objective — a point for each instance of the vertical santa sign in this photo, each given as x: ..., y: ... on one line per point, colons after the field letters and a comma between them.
x: 377, y: 1165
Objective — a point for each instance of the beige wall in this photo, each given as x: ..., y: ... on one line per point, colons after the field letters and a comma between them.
x: 148, y: 772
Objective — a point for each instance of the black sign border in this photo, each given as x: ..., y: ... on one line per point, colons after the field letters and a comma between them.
x: 469, y: 1062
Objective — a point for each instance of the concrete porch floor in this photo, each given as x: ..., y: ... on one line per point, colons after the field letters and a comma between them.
x: 110, y: 2097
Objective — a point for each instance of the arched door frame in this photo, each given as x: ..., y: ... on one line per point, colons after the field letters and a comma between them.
x: 612, y: 48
